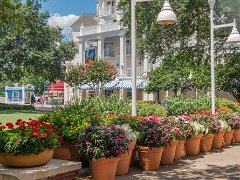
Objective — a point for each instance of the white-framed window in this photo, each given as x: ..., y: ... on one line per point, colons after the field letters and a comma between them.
x: 108, y: 49
x: 15, y: 95
x: 128, y: 46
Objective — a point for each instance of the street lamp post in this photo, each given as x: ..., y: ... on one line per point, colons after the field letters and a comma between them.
x: 233, y: 38
x: 166, y: 16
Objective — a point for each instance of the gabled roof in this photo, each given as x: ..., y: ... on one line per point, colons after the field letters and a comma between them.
x: 86, y: 20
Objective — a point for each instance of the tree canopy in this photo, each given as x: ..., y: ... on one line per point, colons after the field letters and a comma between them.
x: 190, y: 36
x: 94, y: 73
x: 28, y: 45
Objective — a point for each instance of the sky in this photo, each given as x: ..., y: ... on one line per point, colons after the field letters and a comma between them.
x: 65, y: 12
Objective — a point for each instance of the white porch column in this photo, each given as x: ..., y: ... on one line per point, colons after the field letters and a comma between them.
x: 66, y: 92
x: 147, y: 67
x: 81, y: 52
x: 122, y: 62
x: 100, y: 48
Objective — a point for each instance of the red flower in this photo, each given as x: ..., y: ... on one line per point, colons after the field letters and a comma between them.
x: 35, y: 133
x: 42, y: 136
x: 60, y: 138
x: 35, y: 129
x: 38, y: 122
x: 18, y: 141
x: 49, y: 133
x: 23, y: 126
x: 30, y: 119
x: 2, y: 127
x: 10, y: 125
x: 27, y: 133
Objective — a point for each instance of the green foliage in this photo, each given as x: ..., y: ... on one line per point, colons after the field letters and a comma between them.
x: 6, y: 107
x: 191, y: 37
x: 94, y: 72
x: 146, y: 109
x: 228, y: 76
x: 71, y: 119
x: 27, y: 137
x: 29, y: 46
x: 179, y: 105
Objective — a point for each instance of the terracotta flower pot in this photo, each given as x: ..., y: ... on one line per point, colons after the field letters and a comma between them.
x: 104, y: 168
x: 218, y: 139
x: 30, y: 160
x: 192, y: 146
x: 236, y: 136
x: 206, y: 143
x: 150, y: 157
x: 179, y: 150
x: 169, y: 153
x: 67, y: 151
x: 228, y: 136
x: 124, y: 161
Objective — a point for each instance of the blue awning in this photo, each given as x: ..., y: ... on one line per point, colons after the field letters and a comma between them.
x: 127, y: 84
x: 110, y: 85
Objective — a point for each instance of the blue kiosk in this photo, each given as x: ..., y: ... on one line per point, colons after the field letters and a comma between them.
x: 18, y: 95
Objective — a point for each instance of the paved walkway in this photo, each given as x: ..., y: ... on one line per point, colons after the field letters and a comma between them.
x: 222, y: 164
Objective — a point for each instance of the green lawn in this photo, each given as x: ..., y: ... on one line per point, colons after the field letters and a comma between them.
x: 13, y: 116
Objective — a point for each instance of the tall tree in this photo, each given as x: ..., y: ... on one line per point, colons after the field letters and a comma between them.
x: 190, y: 34
x: 28, y: 45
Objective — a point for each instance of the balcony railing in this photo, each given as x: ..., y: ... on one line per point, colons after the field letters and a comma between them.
x: 128, y: 72
x: 99, y: 28
x: 107, y: 11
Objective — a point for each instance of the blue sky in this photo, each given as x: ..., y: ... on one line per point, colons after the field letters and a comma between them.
x: 66, y: 7
x: 65, y: 12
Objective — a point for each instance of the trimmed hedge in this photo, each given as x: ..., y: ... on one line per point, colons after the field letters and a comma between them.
x: 6, y: 107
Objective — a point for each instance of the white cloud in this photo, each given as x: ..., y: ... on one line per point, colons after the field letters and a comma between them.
x: 64, y: 22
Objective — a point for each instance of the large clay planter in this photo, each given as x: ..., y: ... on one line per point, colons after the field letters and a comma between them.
x: 206, y: 143
x: 124, y: 161
x: 192, y: 146
x: 150, y: 157
x: 30, y: 160
x: 67, y: 151
x: 228, y: 136
x: 104, y: 168
x: 218, y: 139
x: 169, y: 153
x: 236, y: 136
x: 179, y: 150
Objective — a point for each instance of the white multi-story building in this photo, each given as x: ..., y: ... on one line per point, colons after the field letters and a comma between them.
x: 100, y: 35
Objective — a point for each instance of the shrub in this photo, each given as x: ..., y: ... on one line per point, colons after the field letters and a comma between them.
x: 179, y: 105
x: 71, y: 119
x: 149, y: 109
x: 7, y: 107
